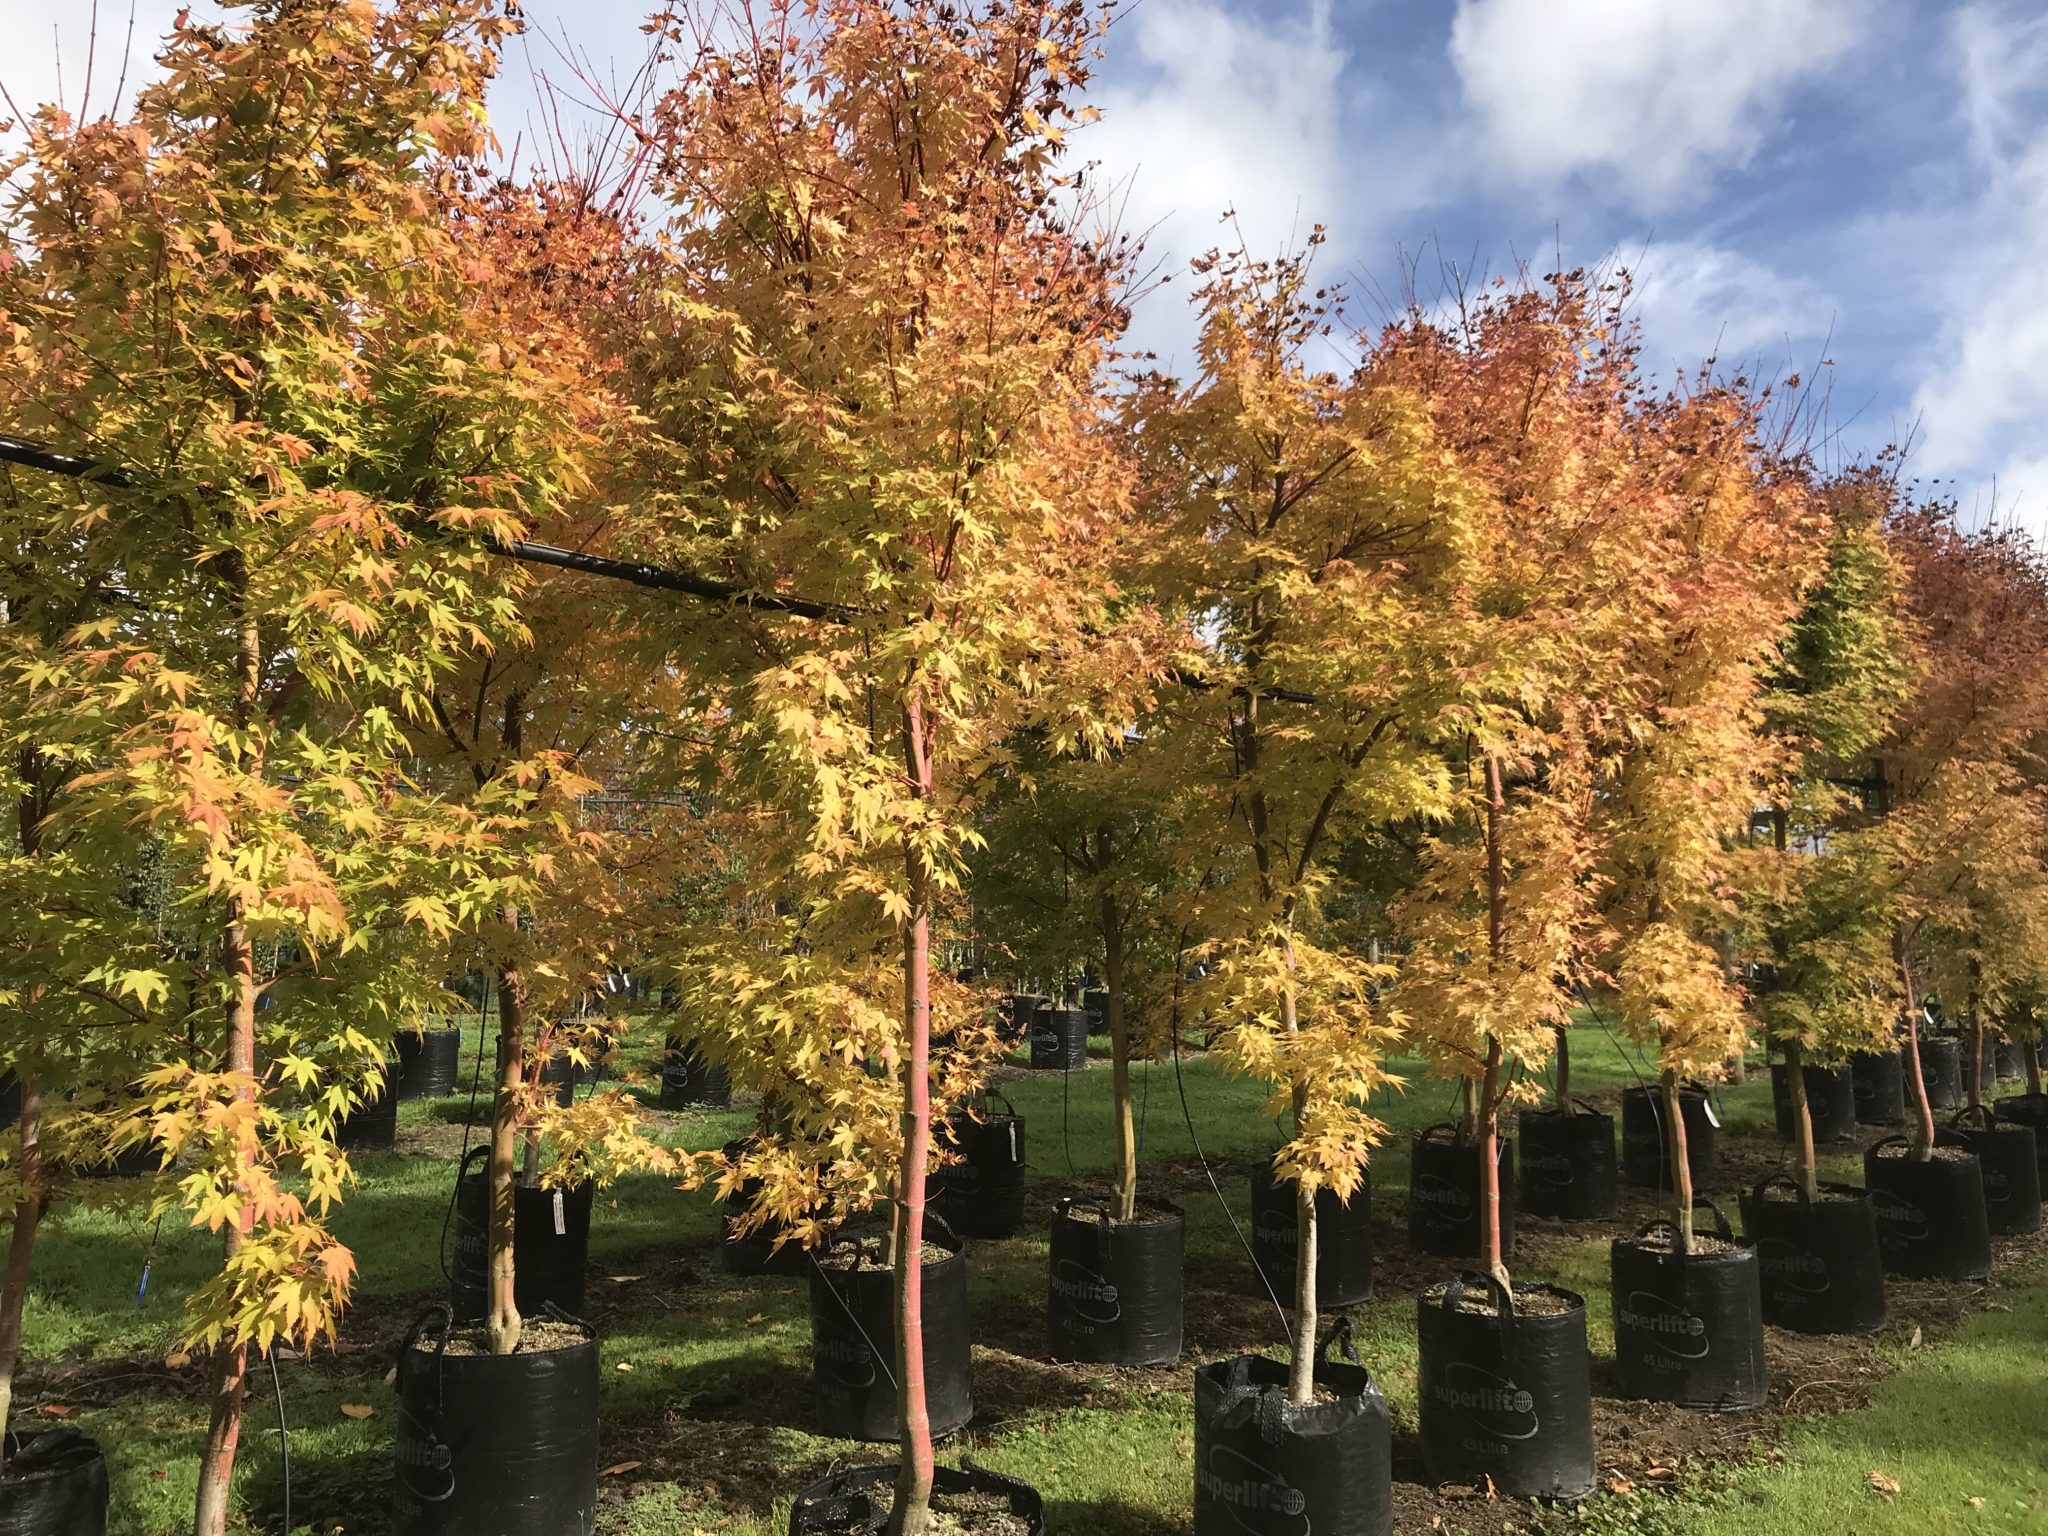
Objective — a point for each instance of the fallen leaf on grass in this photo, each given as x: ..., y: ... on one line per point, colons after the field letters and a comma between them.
x: 1975, y: 1501
x: 757, y: 1318
x: 1882, y: 1484
x: 622, y: 1279
x: 58, y: 1410
x: 1914, y: 1342
x: 357, y: 1410
x: 177, y: 1360
x: 619, y: 1469
x: 623, y: 1365
x: 1616, y: 1483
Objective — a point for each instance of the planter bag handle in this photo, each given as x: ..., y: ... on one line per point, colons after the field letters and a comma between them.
x: 1340, y: 1333
x: 440, y: 1311
x: 1581, y: 1106
x: 1778, y: 1181
x: 1503, y: 1301
x: 1979, y: 1118
x: 1888, y: 1141
x: 1442, y: 1125
x: 567, y: 1318
x: 462, y: 1168
x: 945, y: 1226
x: 1721, y: 1228
x: 1104, y: 1229
x: 995, y: 1095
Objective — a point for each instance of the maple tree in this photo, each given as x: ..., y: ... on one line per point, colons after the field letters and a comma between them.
x: 1817, y: 898
x: 1305, y: 526
x: 1957, y: 778
x: 882, y: 387
x: 1732, y: 539
x: 1533, y: 391
x: 248, y: 298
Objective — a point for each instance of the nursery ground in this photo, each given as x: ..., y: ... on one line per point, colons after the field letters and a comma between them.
x: 707, y: 1375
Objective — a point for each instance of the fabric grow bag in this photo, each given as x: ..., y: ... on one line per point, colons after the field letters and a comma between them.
x: 1880, y: 1078
x: 1830, y: 1101
x: 1642, y: 1137
x: 856, y: 1503
x: 1818, y: 1260
x: 1443, y: 1193
x: 1059, y: 1040
x: 688, y: 1081
x: 853, y: 1347
x: 1266, y: 1467
x: 982, y: 1195
x: 55, y: 1485
x: 754, y: 1252
x: 2029, y: 1109
x: 371, y: 1126
x: 2008, y: 1156
x: 1931, y: 1223
x: 1568, y: 1165
x: 429, y: 1063
x: 1688, y: 1327
x: 1941, y: 1069
x: 495, y: 1445
x: 1024, y: 1008
x: 1505, y: 1395
x: 1095, y: 1005
x: 1114, y: 1288
x: 550, y: 1244
x: 1343, y: 1239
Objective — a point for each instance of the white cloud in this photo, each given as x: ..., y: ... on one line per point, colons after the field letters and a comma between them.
x: 1648, y: 96
x: 1698, y: 300
x: 1982, y: 400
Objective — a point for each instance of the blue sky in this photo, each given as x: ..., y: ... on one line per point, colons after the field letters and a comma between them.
x: 1860, y: 181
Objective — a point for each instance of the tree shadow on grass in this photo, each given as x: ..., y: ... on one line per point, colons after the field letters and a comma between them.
x: 1108, y: 1517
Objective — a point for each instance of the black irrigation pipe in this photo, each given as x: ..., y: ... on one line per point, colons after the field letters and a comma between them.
x: 16, y: 450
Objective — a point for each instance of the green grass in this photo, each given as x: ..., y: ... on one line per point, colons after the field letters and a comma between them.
x: 715, y: 1400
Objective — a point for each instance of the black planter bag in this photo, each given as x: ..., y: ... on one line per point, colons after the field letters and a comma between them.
x: 982, y: 1195
x: 853, y: 1348
x: 1880, y: 1078
x: 1821, y: 1271
x: 2029, y: 1109
x: 56, y: 1485
x: 567, y: 1078
x: 2010, y: 1062
x: 10, y: 1098
x: 856, y: 1503
x: 1642, y: 1138
x: 1024, y: 1008
x: 1265, y: 1467
x: 2008, y: 1156
x: 1830, y: 1101
x: 1443, y: 1193
x: 1931, y: 1222
x: 755, y: 1252
x: 429, y: 1063
x: 371, y: 1126
x: 1114, y: 1288
x: 1343, y: 1240
x: 495, y: 1445
x: 1568, y: 1167
x: 688, y: 1081
x: 1941, y: 1069
x: 1059, y: 1040
x: 1688, y: 1328
x: 1095, y: 1004
x: 1507, y: 1397
x: 550, y: 1245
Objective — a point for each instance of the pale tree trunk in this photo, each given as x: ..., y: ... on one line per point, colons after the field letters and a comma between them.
x: 2030, y: 1048
x: 1808, y: 1170
x: 1679, y: 1154
x: 1923, y: 1112
x: 28, y: 1215
x: 1564, y: 1069
x: 910, y: 1512
x: 1489, y: 1090
x: 502, y: 1320
x: 1119, y: 1041
x: 1974, y: 1082
x: 238, y: 960
x: 1301, y: 1378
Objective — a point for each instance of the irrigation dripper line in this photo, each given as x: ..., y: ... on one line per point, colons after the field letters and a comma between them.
x: 284, y: 1434
x: 148, y: 1259
x: 476, y: 1077
x: 881, y: 1362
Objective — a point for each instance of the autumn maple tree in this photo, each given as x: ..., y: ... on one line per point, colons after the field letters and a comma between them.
x: 883, y: 389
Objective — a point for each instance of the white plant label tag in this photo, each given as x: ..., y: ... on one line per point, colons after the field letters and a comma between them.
x: 1706, y: 1104
x: 561, y: 1217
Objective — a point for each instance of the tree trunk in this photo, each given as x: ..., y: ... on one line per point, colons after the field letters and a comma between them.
x: 1489, y: 1094
x: 28, y: 1216
x: 1301, y: 1376
x: 910, y: 1513
x: 1564, y: 1069
x: 1681, y: 1166
x: 1807, y: 1171
x: 502, y: 1320
x: 238, y: 963
x: 2030, y: 1048
x: 1120, y: 1048
x: 231, y: 1368
x: 1923, y: 1112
